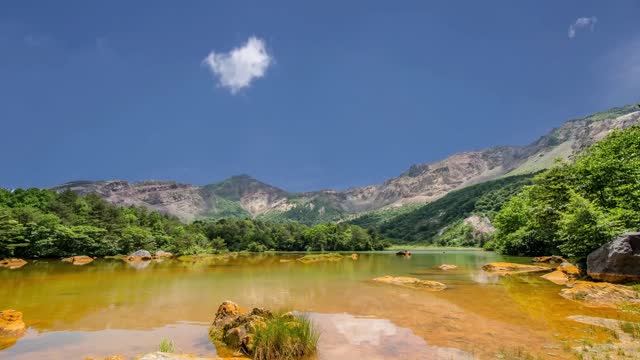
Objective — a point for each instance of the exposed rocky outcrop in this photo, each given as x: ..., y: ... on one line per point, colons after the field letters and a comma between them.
x: 78, y: 260
x: 506, y: 268
x: 243, y: 195
x: 616, y: 261
x: 12, y: 263
x: 601, y: 294
x: 412, y: 283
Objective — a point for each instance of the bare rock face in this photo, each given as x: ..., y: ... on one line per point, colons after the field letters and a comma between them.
x: 616, y: 261
x: 421, y: 183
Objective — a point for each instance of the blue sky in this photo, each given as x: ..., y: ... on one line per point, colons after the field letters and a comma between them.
x: 327, y: 94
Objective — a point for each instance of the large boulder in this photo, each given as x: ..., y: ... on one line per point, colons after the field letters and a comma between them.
x: 78, y: 260
x: 617, y: 260
x: 144, y: 254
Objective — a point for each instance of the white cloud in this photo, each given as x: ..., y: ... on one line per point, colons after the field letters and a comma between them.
x: 237, y: 68
x: 582, y: 23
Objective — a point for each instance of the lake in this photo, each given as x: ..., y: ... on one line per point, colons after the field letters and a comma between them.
x: 111, y: 307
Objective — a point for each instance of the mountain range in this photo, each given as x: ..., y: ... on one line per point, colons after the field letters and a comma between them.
x: 244, y: 196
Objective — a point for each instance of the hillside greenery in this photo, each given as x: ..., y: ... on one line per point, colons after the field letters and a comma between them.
x: 429, y: 224
x: 572, y: 209
x: 44, y: 223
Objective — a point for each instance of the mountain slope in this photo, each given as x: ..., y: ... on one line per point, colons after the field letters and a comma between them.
x: 242, y: 195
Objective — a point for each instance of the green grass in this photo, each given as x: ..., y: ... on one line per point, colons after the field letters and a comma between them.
x: 166, y: 346
x: 285, y: 337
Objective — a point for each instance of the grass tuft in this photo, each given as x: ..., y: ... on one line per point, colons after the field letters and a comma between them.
x: 285, y: 337
x: 166, y: 346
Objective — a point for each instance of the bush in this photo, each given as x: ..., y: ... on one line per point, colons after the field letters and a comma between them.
x: 285, y: 338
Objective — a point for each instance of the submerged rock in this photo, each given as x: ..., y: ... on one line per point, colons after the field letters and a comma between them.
x: 312, y: 258
x: 601, y: 294
x: 12, y: 263
x: 12, y: 328
x: 447, y: 267
x: 355, y: 256
x: 506, y: 268
x: 78, y: 260
x: 553, y: 259
x: 11, y: 322
x: 404, y: 253
x: 617, y: 260
x: 410, y: 282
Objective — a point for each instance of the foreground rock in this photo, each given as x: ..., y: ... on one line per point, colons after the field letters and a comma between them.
x: 601, y: 294
x: 12, y: 263
x: 553, y: 259
x: 78, y: 260
x: 616, y: 261
x: 412, y: 283
x: 506, y: 268
x: 239, y: 330
x: 447, y: 267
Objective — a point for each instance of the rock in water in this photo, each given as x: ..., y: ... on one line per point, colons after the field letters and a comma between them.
x: 410, y: 282
x: 617, y: 260
x: 601, y: 294
x: 447, y: 267
x: 549, y: 259
x: 235, y: 328
x: 78, y: 260
x: 12, y: 263
x: 163, y: 255
x: 143, y: 254
x: 11, y: 322
x: 506, y: 268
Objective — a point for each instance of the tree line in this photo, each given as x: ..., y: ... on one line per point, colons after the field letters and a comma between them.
x: 43, y: 223
x: 572, y: 209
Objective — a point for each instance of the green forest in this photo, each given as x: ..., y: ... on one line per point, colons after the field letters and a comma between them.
x: 424, y: 224
x: 43, y: 223
x: 573, y: 208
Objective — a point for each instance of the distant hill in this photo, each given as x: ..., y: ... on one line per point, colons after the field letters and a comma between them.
x: 244, y: 196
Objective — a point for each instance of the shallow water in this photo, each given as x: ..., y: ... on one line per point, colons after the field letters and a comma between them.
x: 110, y: 307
